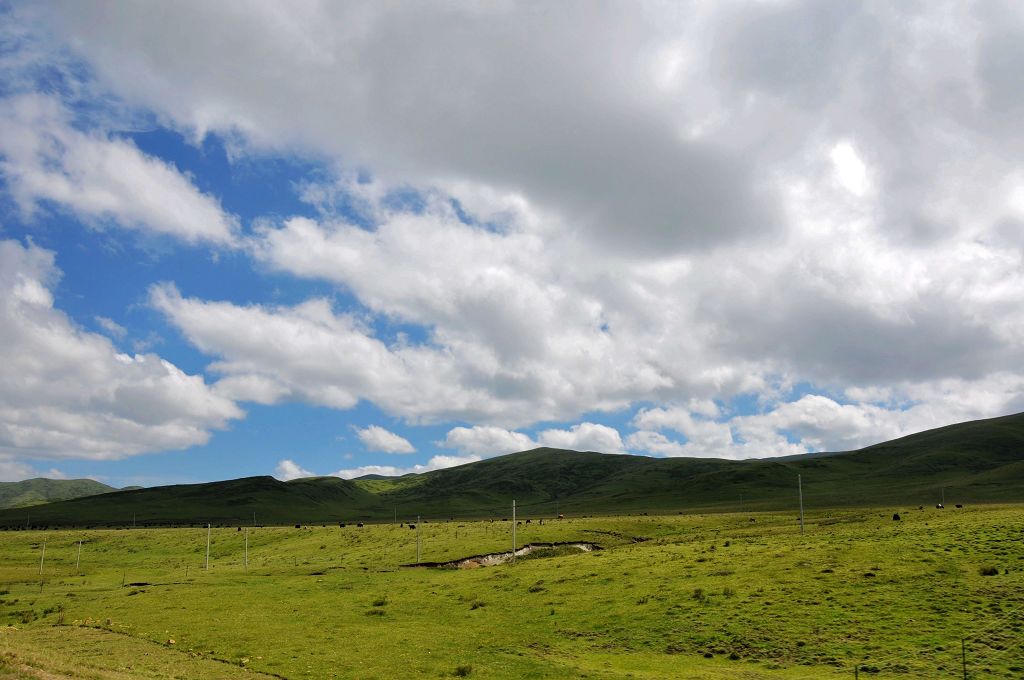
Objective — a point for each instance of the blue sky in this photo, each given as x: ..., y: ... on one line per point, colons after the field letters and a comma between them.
x: 386, y: 238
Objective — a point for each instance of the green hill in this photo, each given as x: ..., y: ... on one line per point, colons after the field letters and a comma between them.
x: 37, y: 491
x: 974, y: 462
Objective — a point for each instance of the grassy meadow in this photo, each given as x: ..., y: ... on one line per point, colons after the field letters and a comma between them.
x: 692, y: 596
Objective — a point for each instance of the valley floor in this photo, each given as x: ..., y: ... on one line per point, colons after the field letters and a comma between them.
x: 682, y: 596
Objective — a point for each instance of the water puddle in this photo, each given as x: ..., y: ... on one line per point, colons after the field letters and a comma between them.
x: 533, y: 550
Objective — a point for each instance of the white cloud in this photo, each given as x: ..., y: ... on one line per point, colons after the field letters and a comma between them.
x: 15, y: 471
x: 674, y: 212
x: 100, y: 178
x: 486, y: 440
x: 309, y: 353
x: 435, y: 463
x: 583, y: 437
x: 376, y: 438
x: 655, y: 443
x: 370, y: 91
x: 113, y: 329
x: 850, y: 170
x: 68, y: 393
x: 288, y: 470
x: 819, y: 423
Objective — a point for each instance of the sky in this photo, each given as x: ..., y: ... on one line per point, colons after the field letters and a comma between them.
x: 341, y: 238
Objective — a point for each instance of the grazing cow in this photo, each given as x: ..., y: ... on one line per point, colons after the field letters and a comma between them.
x: 960, y: 505
x: 939, y: 506
x: 360, y: 525
x: 920, y: 507
x: 412, y: 526
x: 895, y: 517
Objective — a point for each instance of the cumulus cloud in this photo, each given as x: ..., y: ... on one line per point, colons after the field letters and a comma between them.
x: 44, y: 158
x: 435, y: 463
x: 310, y: 353
x: 670, y: 206
x: 584, y: 437
x: 68, y: 393
x: 112, y: 328
x: 15, y: 471
x: 486, y: 440
x: 376, y: 438
x: 583, y: 135
x: 816, y: 422
x: 288, y: 470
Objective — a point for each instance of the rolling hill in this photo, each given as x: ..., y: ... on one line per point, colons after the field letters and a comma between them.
x: 39, y: 490
x: 973, y: 462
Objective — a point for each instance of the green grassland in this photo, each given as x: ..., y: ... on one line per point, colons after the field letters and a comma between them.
x: 713, y: 595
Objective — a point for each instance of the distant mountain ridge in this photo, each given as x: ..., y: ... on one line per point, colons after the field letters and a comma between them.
x: 973, y: 462
x: 40, y: 490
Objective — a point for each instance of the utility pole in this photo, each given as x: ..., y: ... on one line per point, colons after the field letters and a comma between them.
x: 513, y: 530
x: 800, y: 488
x: 133, y: 520
x: 41, y: 557
x: 417, y: 539
x: 254, y: 518
x: 79, y: 560
x: 943, y: 496
x: 207, y: 546
x: 395, y: 521
x: 247, y: 549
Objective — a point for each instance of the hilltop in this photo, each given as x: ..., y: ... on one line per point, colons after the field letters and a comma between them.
x: 37, y: 491
x: 973, y: 462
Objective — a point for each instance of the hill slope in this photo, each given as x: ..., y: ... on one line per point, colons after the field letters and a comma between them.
x: 39, y: 490
x: 979, y: 461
